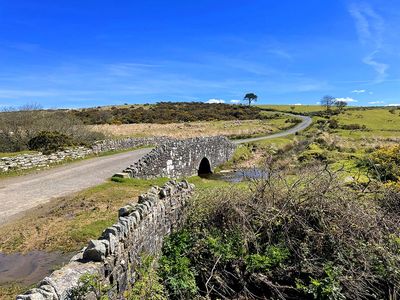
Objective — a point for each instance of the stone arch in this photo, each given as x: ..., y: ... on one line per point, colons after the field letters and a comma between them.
x: 204, y: 167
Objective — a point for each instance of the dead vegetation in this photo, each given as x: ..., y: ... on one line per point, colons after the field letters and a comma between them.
x: 289, y: 237
x: 195, y: 129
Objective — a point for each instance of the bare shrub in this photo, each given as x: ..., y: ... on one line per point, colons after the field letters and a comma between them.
x: 17, y: 127
x: 303, y: 237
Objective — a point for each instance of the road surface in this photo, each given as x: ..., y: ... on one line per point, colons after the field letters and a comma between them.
x: 18, y: 194
x: 306, y: 122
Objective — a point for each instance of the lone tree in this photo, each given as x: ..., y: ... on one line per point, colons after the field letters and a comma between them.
x: 340, y: 105
x: 328, y: 101
x: 250, y: 97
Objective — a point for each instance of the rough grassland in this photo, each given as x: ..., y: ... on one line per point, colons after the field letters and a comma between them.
x: 195, y: 129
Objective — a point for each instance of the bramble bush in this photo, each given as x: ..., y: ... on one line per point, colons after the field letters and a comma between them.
x: 304, y: 237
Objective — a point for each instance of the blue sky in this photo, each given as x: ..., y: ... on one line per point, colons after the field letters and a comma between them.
x: 93, y: 52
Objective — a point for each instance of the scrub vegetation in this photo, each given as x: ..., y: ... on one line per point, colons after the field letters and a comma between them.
x: 31, y: 128
x: 287, y: 237
x: 168, y: 112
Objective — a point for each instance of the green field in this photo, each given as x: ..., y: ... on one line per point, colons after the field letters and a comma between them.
x: 379, y: 122
x: 294, y: 108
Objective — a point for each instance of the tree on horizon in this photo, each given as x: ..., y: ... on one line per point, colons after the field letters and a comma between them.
x: 250, y: 97
x: 328, y: 101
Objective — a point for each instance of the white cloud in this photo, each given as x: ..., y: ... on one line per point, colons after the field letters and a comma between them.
x: 393, y: 104
x: 358, y: 91
x: 235, y: 101
x: 212, y: 101
x: 371, y: 93
x: 376, y: 102
x: 347, y: 100
x: 298, y: 104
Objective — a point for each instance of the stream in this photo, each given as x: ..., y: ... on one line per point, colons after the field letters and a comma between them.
x: 235, y: 176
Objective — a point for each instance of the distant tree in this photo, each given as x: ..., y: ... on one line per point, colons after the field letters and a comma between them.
x: 292, y: 107
x: 250, y: 97
x: 328, y: 101
x: 340, y: 105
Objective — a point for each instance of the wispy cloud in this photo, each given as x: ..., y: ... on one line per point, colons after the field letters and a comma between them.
x: 370, y: 28
x: 235, y: 101
x: 376, y: 102
x: 358, y: 91
x: 380, y: 68
x: 280, y: 53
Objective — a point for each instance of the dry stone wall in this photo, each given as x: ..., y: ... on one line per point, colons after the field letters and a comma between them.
x: 115, y: 256
x: 182, y: 157
x: 39, y: 160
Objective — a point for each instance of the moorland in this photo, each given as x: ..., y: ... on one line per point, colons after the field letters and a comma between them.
x: 324, y: 223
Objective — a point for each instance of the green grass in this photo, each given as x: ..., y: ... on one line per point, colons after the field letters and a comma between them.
x: 276, y: 142
x: 380, y: 122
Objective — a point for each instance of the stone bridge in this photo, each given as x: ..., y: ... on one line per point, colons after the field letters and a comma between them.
x: 181, y: 158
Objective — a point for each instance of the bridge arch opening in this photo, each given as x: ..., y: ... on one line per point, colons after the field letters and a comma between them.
x: 204, y: 167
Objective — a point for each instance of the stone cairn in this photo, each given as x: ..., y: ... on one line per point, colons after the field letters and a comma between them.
x: 115, y: 256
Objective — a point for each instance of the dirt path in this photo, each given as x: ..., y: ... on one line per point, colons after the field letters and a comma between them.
x: 18, y: 194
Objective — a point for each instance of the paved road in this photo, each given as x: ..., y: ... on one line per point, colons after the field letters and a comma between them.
x: 306, y: 122
x: 21, y: 193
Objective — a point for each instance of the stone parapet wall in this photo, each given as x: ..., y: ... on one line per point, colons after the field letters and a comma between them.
x: 120, y: 144
x: 180, y: 158
x: 39, y: 160
x: 115, y: 256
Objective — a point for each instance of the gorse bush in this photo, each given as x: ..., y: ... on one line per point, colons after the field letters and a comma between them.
x: 307, y: 237
x: 384, y: 163
x: 49, y: 142
x: 169, y: 112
